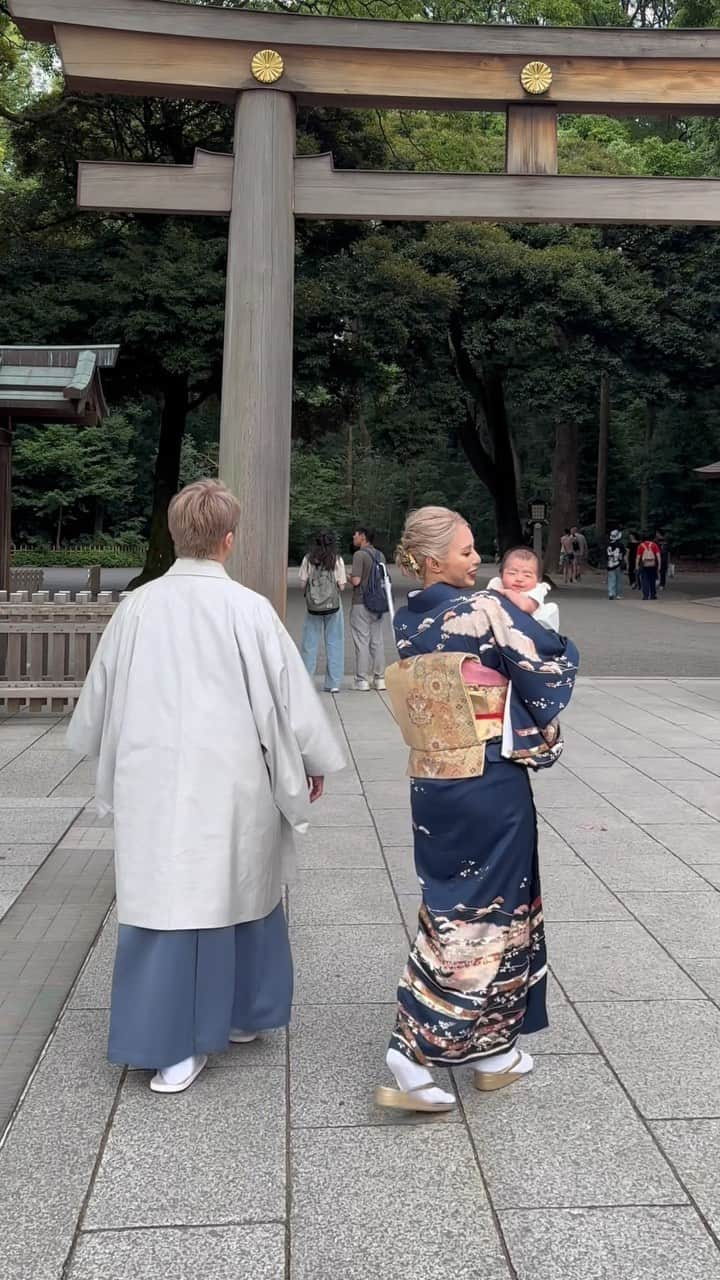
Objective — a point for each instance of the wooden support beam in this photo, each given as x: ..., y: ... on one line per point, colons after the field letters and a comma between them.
x: 96, y: 60
x: 321, y: 191
x: 5, y: 499
x: 531, y: 140
x: 255, y: 421
x: 38, y: 18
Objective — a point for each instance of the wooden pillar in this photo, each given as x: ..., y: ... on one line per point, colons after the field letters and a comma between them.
x: 5, y: 499
x: 531, y: 140
x: 255, y: 420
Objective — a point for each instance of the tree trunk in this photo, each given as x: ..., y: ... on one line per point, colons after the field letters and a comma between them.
x: 58, y: 530
x: 160, y: 553
x: 99, y: 520
x: 565, y: 479
x: 602, y: 460
x: 645, y: 472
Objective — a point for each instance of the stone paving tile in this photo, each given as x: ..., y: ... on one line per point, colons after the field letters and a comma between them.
x: 692, y: 1146
x: 389, y: 795
x: 336, y: 1060
x: 367, y: 1203
x: 566, y: 1033
x: 575, y: 893
x: 331, y: 848
x: 23, y: 855
x: 401, y: 865
x: 686, y: 924
x: 615, y: 960
x: 666, y: 1053
x: 394, y: 825
x: 215, y: 1154
x: 706, y: 973
x: 671, y: 769
x: 356, y: 965
x: 344, y: 897
x: 36, y: 772
x: 220, y: 1253
x: 35, y: 826
x: 610, y: 1244
x: 641, y: 865
x: 342, y: 811
x: 696, y: 844
x: 48, y: 1159
x: 346, y: 783
x: 538, y: 1141
x: 647, y: 809
x: 93, y: 987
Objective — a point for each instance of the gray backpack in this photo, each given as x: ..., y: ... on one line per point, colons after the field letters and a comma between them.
x: 322, y: 594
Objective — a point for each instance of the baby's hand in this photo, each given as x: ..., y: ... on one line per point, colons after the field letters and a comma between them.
x: 521, y: 601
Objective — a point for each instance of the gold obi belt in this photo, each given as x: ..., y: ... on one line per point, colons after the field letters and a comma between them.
x: 444, y: 721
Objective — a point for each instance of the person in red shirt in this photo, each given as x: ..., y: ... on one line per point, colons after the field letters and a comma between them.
x: 648, y: 567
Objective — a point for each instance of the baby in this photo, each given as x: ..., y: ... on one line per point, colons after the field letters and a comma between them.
x: 520, y: 581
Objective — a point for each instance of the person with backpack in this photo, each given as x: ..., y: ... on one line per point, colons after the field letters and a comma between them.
x: 323, y: 577
x: 648, y: 566
x: 615, y: 558
x: 370, y: 603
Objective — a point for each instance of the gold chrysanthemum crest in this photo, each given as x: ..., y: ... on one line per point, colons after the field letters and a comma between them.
x: 536, y: 77
x: 267, y: 66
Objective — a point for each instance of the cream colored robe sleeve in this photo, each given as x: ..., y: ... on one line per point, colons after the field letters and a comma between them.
x: 297, y: 739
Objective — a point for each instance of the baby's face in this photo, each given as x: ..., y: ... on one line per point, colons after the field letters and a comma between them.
x: 520, y: 574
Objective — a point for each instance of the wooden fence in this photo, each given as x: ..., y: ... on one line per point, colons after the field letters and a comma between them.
x: 46, y: 647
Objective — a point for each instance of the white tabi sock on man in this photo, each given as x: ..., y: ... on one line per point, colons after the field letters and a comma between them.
x: 178, y: 1071
x: 409, y: 1075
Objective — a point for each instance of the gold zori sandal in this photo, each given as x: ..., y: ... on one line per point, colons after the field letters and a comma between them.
x: 405, y: 1099
x: 487, y: 1081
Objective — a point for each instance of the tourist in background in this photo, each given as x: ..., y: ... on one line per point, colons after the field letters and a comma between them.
x: 664, y: 547
x: 633, y: 543
x: 369, y: 606
x: 323, y: 578
x: 580, y: 548
x: 567, y: 557
x: 615, y: 556
x: 647, y: 564
x: 476, y: 693
x: 212, y: 746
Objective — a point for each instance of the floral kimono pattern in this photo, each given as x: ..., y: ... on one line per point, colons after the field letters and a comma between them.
x: 477, y: 971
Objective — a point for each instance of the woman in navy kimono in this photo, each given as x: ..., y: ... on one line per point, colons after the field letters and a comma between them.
x: 477, y: 693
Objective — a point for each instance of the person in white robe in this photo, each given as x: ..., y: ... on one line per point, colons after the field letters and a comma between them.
x: 212, y: 745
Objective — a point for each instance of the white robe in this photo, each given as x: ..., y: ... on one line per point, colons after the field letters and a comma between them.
x: 206, y: 725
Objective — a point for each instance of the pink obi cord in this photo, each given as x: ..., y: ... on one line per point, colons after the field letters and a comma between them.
x: 473, y: 672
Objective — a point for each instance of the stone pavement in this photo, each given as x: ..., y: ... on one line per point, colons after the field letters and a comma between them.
x: 276, y: 1164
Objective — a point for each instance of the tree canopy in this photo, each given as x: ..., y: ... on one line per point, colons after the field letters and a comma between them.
x: 453, y: 363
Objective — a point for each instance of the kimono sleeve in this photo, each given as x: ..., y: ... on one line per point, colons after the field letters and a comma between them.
x: 87, y: 726
x: 294, y: 731
x: 539, y: 664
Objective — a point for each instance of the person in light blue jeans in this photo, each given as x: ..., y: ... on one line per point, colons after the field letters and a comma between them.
x: 616, y: 559
x: 324, y: 578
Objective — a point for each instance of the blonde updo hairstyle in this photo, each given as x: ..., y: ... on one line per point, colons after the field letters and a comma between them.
x: 428, y: 532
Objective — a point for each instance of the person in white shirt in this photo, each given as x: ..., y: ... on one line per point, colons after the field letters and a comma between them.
x: 212, y: 744
x: 520, y: 581
x: 324, y: 578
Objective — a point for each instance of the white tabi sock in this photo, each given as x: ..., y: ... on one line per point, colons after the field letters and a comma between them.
x: 179, y: 1071
x: 503, y: 1061
x: 410, y: 1074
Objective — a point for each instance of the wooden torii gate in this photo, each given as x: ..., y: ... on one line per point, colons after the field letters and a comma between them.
x: 266, y: 62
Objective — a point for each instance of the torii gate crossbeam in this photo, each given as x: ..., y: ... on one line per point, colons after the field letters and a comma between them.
x: 265, y: 63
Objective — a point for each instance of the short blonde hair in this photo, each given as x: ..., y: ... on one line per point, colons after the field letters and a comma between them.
x: 200, y: 516
x: 428, y: 532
